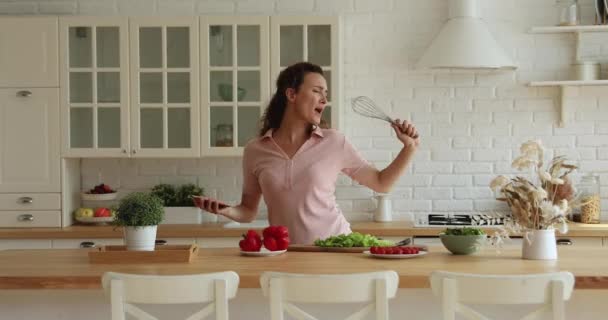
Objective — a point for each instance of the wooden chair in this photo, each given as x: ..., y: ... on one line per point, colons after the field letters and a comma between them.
x: 457, y: 289
x: 127, y: 289
x: 285, y: 289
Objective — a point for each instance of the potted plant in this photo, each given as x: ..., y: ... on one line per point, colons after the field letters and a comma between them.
x: 179, y: 205
x: 540, y: 204
x: 463, y: 240
x: 139, y: 214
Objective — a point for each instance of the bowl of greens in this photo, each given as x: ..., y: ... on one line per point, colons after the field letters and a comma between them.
x: 463, y: 240
x: 354, y: 239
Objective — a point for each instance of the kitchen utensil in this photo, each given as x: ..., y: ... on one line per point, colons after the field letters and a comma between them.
x: 366, y: 107
x: 600, y: 11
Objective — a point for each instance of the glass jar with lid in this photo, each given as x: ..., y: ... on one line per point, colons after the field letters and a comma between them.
x: 568, y: 13
x: 589, y: 190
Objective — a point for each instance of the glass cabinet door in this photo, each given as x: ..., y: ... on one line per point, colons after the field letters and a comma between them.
x: 235, y: 83
x: 94, y: 80
x: 164, y: 75
x: 311, y: 39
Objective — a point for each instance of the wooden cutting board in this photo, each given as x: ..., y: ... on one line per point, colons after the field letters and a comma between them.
x: 313, y: 248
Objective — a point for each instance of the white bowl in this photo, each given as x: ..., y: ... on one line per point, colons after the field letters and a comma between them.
x: 98, y: 197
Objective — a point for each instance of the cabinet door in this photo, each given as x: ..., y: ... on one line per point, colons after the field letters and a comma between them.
x: 29, y: 140
x: 312, y: 39
x: 234, y: 81
x: 165, y: 87
x: 28, y: 52
x: 94, y: 95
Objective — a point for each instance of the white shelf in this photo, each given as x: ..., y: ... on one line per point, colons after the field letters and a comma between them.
x: 569, y: 83
x: 565, y: 29
x: 564, y: 87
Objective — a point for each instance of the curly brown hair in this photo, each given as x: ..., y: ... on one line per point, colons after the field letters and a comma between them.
x: 291, y: 77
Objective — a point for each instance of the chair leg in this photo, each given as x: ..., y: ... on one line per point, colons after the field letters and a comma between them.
x: 117, y: 299
x: 448, y: 299
x: 276, y: 300
x: 221, y: 300
x: 557, y: 300
x: 381, y: 300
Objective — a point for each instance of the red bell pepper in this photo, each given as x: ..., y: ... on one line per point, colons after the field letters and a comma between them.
x: 276, y: 238
x: 251, y: 241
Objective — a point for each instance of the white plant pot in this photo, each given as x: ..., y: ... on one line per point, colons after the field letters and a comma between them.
x: 539, y: 245
x: 140, y: 238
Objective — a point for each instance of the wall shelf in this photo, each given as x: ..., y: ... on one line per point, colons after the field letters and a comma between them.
x: 567, y: 85
x: 565, y: 29
x: 564, y: 87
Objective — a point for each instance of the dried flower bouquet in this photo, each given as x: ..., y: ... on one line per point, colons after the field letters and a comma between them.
x: 542, y: 205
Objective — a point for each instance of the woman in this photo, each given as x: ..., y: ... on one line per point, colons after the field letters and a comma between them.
x: 294, y: 164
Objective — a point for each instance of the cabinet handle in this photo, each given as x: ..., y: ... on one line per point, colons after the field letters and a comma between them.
x: 87, y: 244
x: 564, y: 242
x: 133, y: 151
x: 24, y: 93
x: 25, y: 217
x: 160, y: 242
x: 124, y: 150
x: 24, y: 200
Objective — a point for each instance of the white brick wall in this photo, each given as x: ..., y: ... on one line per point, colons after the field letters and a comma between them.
x: 472, y: 122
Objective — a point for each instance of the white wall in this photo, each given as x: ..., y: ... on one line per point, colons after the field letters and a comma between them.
x: 471, y: 123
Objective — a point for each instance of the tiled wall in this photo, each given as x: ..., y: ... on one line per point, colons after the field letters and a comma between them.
x: 471, y: 123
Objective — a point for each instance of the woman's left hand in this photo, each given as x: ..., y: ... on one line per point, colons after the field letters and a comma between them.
x: 406, y: 132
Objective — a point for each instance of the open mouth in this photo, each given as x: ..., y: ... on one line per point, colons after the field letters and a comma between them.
x: 319, y: 110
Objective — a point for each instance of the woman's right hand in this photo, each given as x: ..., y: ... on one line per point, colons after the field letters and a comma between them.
x: 211, y: 205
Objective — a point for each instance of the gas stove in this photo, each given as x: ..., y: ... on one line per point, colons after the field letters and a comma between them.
x: 458, y: 219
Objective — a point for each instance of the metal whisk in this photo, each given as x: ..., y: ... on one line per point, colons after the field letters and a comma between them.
x: 366, y: 107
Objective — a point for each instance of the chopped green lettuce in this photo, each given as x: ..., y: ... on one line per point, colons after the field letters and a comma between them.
x: 354, y: 239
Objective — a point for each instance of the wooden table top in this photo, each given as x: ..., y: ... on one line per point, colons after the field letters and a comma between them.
x: 70, y: 268
x: 383, y: 229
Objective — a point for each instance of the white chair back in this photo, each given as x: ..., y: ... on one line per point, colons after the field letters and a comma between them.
x: 127, y: 289
x: 284, y: 289
x: 458, y: 289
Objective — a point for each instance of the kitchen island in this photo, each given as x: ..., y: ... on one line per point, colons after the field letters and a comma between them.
x: 60, y: 276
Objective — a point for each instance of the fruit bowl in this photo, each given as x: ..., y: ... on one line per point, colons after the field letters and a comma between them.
x: 98, y: 196
x: 94, y: 220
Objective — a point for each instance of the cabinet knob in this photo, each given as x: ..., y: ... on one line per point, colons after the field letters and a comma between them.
x: 133, y: 151
x: 24, y: 200
x: 564, y: 242
x: 124, y: 150
x: 25, y: 217
x: 160, y: 242
x: 87, y: 244
x: 24, y: 93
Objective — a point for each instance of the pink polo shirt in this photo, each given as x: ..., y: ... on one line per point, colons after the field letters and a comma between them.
x: 299, y: 192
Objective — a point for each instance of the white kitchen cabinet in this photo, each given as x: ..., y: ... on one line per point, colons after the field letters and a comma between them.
x: 29, y: 140
x: 312, y: 39
x: 130, y: 87
x: 94, y: 86
x: 28, y: 52
x: 164, y: 73
x: 234, y: 81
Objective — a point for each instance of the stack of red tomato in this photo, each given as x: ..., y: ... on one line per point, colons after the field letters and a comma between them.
x: 275, y: 238
x: 394, y: 250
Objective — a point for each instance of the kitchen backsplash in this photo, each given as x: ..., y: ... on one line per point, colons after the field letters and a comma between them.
x: 471, y: 122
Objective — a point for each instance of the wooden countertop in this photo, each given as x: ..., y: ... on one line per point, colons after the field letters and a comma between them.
x: 386, y: 229
x: 70, y: 268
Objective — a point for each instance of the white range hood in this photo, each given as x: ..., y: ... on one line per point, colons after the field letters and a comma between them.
x: 465, y: 42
